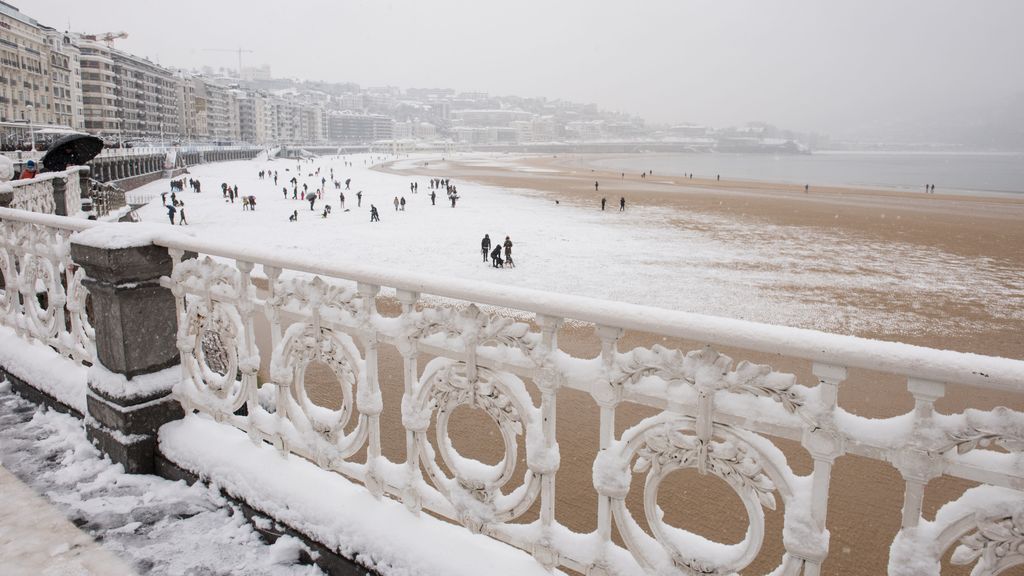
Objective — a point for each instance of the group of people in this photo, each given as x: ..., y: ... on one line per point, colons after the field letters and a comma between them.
x: 622, y: 203
x: 495, y: 254
x: 175, y: 207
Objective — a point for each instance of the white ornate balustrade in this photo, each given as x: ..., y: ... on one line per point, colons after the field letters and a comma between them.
x: 36, y: 194
x: 714, y: 415
x: 717, y: 416
x: 42, y: 296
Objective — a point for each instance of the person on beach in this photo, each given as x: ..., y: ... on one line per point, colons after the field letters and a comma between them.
x: 603, y: 201
x: 595, y: 186
x: 508, y: 252
x: 374, y: 216
x: 807, y: 188
x: 718, y: 177
x: 496, y: 261
x: 622, y: 204
x: 485, y: 246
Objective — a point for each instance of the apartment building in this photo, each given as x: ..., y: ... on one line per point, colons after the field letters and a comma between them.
x: 25, y: 85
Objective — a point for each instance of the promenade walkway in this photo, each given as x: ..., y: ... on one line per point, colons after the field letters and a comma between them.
x: 37, y: 540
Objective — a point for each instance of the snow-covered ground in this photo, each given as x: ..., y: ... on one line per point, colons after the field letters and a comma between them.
x: 158, y: 526
x: 649, y: 255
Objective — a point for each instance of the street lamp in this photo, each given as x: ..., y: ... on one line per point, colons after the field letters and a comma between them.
x: 31, y: 129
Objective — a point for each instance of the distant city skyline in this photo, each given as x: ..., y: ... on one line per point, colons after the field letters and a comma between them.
x: 831, y: 67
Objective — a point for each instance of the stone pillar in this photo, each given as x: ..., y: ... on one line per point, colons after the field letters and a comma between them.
x: 128, y: 395
x: 60, y: 197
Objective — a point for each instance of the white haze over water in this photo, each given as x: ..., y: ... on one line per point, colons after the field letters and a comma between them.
x: 960, y: 172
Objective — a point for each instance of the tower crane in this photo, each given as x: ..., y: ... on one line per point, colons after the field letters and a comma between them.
x: 239, y: 50
x: 107, y: 37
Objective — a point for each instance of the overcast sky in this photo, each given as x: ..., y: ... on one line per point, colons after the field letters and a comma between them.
x: 828, y: 65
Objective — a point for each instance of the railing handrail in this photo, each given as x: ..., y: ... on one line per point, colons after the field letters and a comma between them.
x: 893, y: 357
x: 50, y: 220
x: 42, y: 177
x: 908, y: 360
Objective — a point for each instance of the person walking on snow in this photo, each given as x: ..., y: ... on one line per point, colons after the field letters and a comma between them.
x: 374, y: 216
x: 622, y: 204
x: 485, y: 246
x: 603, y: 200
x: 396, y: 203
x: 508, y: 252
x: 181, y: 214
x: 342, y: 200
x: 359, y: 198
x: 433, y: 195
x: 170, y: 212
x: 403, y: 203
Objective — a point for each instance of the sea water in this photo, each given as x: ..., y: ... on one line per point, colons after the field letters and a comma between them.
x: 979, y: 173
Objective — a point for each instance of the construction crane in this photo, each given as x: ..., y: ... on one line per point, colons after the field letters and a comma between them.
x: 239, y: 50
x: 107, y: 37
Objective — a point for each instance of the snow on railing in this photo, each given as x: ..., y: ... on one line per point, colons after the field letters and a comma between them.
x: 713, y: 415
x: 42, y: 296
x: 36, y: 194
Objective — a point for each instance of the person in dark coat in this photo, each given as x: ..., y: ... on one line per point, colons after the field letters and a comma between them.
x: 622, y: 204
x: 485, y: 246
x: 508, y: 251
x: 374, y: 216
x: 170, y: 212
x: 433, y: 195
x: 496, y: 257
x: 359, y: 198
x: 294, y: 217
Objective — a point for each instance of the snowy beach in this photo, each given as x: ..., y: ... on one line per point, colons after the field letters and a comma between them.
x: 857, y: 266
x: 760, y: 252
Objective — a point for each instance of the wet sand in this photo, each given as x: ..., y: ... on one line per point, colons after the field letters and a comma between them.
x: 866, y: 496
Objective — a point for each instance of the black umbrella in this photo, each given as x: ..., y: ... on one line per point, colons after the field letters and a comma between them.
x: 71, y: 150
x: 311, y: 196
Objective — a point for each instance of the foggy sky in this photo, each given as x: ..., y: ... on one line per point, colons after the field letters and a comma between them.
x: 804, y: 64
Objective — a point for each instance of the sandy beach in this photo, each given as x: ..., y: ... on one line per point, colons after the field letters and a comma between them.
x: 866, y: 495
x: 935, y: 270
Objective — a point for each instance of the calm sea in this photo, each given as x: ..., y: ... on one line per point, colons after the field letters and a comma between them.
x: 1001, y: 173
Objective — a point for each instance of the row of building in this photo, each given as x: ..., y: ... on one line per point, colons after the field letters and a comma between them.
x: 51, y: 80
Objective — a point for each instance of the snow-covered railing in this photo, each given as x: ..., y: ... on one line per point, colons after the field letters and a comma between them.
x: 713, y: 415
x: 42, y: 296
x: 37, y: 194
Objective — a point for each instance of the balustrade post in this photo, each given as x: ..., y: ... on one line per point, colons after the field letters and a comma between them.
x: 825, y: 444
x: 916, y: 462
x: 410, y: 496
x: 135, y: 322
x: 549, y: 381
x: 607, y: 396
x: 373, y: 481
